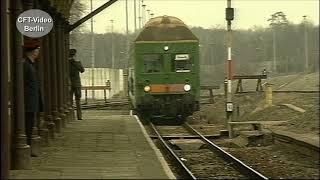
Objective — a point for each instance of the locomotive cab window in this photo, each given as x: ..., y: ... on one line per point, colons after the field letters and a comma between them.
x: 181, y: 63
x: 153, y: 63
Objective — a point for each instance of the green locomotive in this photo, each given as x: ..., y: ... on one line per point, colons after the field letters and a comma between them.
x: 165, y: 80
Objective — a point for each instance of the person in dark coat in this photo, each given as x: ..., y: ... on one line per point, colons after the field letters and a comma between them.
x: 75, y: 68
x: 32, y: 95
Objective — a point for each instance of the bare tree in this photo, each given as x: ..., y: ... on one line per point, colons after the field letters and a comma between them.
x: 277, y: 19
x: 76, y: 12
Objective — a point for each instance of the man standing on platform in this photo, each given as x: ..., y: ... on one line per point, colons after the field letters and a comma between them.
x: 75, y: 68
x: 32, y: 95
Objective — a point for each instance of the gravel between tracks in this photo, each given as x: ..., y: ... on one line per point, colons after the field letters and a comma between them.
x: 277, y: 163
x: 206, y: 165
x: 274, y: 161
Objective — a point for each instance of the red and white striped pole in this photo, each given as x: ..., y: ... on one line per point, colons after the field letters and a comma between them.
x: 230, y: 75
x: 229, y: 104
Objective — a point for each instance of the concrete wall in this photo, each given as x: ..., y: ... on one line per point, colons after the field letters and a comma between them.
x: 101, y: 75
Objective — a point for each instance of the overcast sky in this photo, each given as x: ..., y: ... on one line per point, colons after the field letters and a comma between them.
x: 204, y: 13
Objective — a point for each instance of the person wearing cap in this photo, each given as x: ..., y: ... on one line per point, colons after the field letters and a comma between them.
x: 32, y: 94
x: 75, y: 68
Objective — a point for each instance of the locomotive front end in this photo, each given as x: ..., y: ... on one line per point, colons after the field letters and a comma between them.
x: 165, y: 81
x: 168, y: 100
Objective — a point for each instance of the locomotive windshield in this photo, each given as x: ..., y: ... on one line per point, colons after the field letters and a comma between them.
x: 152, y: 63
x: 181, y: 63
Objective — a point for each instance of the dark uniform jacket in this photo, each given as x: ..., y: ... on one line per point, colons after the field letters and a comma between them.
x: 75, y: 68
x: 32, y: 94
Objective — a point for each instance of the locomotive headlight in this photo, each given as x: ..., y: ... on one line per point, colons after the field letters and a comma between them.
x: 147, y: 88
x: 187, y: 87
x: 166, y: 48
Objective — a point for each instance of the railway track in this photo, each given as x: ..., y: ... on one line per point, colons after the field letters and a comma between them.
x: 103, y: 105
x: 214, y: 161
x: 119, y: 103
x: 183, y: 169
x: 278, y: 91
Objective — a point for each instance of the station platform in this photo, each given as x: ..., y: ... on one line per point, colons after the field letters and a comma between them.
x: 105, y: 145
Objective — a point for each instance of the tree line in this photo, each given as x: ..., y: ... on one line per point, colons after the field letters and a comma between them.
x: 252, y: 49
x: 280, y: 48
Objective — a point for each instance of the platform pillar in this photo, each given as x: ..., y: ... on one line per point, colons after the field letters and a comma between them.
x: 21, y: 154
x: 54, y: 76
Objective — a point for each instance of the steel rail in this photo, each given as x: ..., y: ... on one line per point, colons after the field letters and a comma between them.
x: 103, y: 104
x: 239, y: 164
x: 278, y: 91
x: 295, y: 91
x: 175, y: 157
x: 185, y: 137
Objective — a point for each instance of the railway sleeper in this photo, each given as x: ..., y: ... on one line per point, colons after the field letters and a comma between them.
x: 254, y: 138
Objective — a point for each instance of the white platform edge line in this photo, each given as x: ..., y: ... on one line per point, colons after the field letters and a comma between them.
x: 163, y: 162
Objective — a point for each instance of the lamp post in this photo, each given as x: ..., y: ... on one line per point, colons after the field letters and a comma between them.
x: 134, y: 12
x: 277, y: 20
x: 112, y: 59
x: 273, y: 25
x: 127, y: 22
x: 112, y: 47
x: 125, y: 77
x: 127, y: 30
x: 212, y: 54
x: 143, y: 14
x: 140, y: 20
x: 274, y: 50
x: 148, y: 10
x: 92, y: 53
x: 306, y: 67
x: 139, y: 10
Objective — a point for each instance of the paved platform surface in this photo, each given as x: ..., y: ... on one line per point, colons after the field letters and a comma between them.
x: 103, y: 146
x: 307, y: 137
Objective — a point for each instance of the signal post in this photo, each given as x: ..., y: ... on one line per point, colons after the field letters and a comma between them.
x: 229, y: 103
